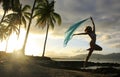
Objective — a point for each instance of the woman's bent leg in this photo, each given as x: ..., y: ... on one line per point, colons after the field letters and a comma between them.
x: 97, y: 47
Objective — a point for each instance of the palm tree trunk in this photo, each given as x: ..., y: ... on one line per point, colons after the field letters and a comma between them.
x: 26, y: 37
x: 45, y: 40
x: 0, y: 23
x: 3, y: 16
x: 6, y: 47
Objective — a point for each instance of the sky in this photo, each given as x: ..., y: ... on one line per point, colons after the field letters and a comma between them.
x: 105, y: 14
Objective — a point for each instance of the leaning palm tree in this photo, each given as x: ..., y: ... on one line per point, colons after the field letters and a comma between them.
x: 12, y: 26
x: 6, y: 6
x: 9, y: 5
x: 29, y: 25
x: 3, y: 33
x: 30, y: 21
x: 46, y: 16
x: 6, y: 29
x: 16, y: 19
x: 24, y: 15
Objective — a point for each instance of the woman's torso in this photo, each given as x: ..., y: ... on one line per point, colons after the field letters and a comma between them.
x: 92, y: 36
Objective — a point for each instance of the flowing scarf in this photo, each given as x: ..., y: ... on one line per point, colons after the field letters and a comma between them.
x: 70, y: 31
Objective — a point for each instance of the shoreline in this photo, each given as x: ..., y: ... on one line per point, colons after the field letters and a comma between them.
x: 91, y: 60
x: 31, y: 66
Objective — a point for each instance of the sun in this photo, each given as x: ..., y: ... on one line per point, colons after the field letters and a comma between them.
x: 15, y: 43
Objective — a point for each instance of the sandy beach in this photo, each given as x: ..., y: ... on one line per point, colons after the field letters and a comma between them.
x: 37, y: 67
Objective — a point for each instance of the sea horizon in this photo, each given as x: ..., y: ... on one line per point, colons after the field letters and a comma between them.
x: 91, y: 60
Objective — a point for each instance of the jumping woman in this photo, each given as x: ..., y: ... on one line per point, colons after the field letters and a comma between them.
x: 93, y: 46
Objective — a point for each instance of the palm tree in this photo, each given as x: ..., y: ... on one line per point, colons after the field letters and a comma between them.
x: 29, y: 24
x: 9, y: 5
x: 30, y: 21
x: 3, y: 34
x: 11, y: 22
x: 6, y: 30
x: 46, y: 16
x: 25, y: 15
x: 6, y: 7
x: 15, y: 19
x: 19, y: 16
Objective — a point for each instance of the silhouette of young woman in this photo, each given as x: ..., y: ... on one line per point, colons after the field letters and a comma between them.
x: 93, y: 46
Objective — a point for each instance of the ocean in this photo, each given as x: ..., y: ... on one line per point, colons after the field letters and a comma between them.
x: 90, y: 60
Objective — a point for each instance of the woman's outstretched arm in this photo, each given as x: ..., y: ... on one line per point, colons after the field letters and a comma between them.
x: 93, y: 24
x: 80, y: 34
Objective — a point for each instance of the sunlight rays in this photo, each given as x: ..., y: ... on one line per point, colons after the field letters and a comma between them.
x: 15, y: 44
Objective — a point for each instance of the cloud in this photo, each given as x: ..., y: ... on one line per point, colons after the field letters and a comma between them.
x: 105, y: 38
x: 28, y: 2
x: 1, y: 12
x: 106, y: 15
x: 116, y: 45
x: 65, y: 53
x: 83, y: 8
x: 110, y: 39
x: 104, y: 12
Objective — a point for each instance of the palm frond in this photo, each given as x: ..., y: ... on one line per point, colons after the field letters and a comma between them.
x: 51, y: 23
x: 41, y: 20
x: 27, y: 17
x: 44, y: 12
x: 24, y: 21
x: 25, y: 8
x: 58, y: 17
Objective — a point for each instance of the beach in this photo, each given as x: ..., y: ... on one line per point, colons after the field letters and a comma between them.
x: 45, y: 67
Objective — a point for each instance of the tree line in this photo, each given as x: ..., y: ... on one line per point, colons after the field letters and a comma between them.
x: 42, y: 11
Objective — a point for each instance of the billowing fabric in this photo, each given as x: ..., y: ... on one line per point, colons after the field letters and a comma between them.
x: 70, y: 31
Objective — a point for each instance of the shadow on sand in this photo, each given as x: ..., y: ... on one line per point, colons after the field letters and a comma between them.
x: 29, y: 66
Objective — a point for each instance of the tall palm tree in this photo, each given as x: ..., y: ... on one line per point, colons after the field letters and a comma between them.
x: 15, y: 19
x: 29, y: 24
x: 46, y: 16
x: 7, y: 5
x: 30, y: 21
x: 25, y: 15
